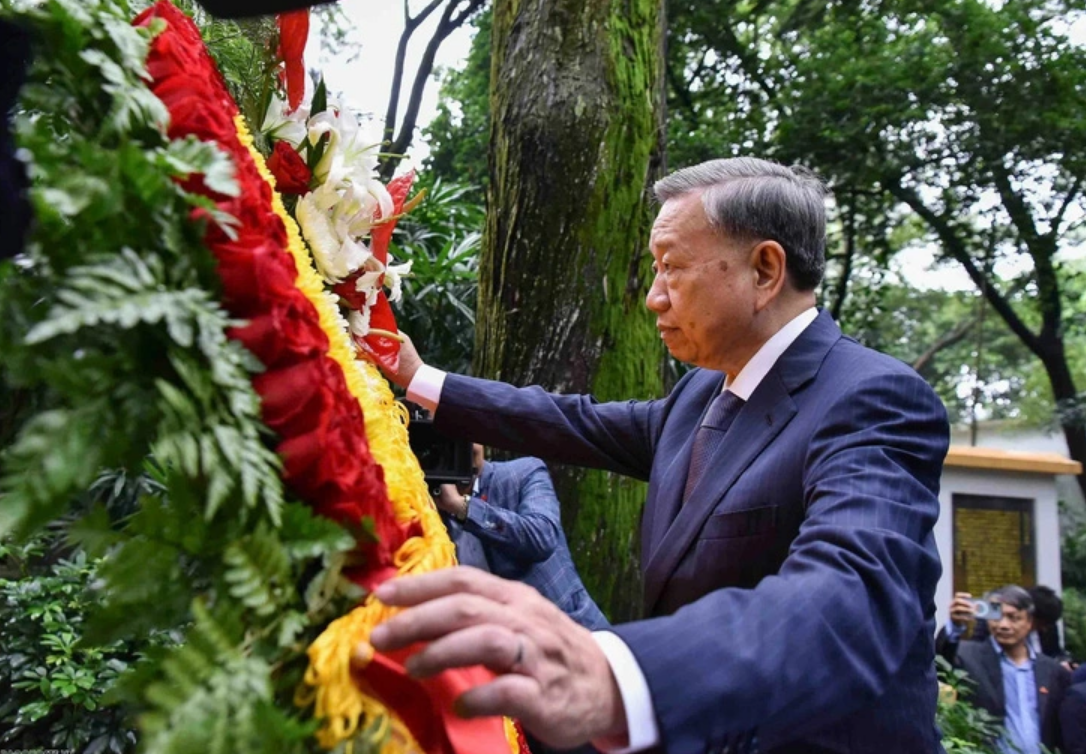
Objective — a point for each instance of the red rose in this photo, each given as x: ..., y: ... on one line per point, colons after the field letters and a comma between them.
x: 292, y: 175
x: 298, y: 399
x: 331, y: 464
x: 254, y: 276
x: 287, y: 333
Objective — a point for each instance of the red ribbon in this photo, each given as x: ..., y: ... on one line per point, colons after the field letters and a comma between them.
x: 293, y: 34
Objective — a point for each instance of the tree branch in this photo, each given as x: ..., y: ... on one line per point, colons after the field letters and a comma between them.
x: 682, y: 93
x: 957, y: 250
x: 956, y: 335
x: 450, y: 22
x: 1042, y: 249
x: 1067, y: 200
x: 850, y: 253
x: 409, y: 26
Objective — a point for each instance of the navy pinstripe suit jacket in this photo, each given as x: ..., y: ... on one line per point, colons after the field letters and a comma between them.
x: 790, y: 599
x: 514, y: 530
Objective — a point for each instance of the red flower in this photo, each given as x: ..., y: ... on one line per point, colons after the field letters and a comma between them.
x: 381, y: 348
x: 288, y: 332
x: 303, y: 393
x: 398, y: 189
x: 292, y: 175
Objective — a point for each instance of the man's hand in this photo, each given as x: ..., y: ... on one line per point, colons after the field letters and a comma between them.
x: 553, y: 677
x: 451, y: 501
x: 409, y: 363
x: 962, y: 609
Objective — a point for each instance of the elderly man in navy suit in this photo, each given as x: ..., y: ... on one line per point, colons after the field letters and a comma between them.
x: 789, y: 562
x: 510, y: 524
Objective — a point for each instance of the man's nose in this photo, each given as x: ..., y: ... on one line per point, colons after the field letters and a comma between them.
x: 656, y: 300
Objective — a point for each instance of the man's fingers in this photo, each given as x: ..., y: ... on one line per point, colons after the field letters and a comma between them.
x: 497, y: 648
x: 435, y: 619
x: 515, y: 696
x: 413, y: 590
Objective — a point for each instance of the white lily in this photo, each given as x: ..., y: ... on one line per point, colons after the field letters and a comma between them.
x: 350, y: 156
x: 336, y: 253
x: 394, y: 279
x: 278, y: 125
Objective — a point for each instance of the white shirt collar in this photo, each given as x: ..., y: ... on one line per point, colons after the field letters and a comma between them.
x: 758, y: 367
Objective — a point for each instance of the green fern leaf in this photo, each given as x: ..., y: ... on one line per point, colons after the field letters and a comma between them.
x: 258, y: 570
x: 56, y: 456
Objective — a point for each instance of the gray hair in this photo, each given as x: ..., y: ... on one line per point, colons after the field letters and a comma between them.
x: 1015, y: 596
x: 754, y: 199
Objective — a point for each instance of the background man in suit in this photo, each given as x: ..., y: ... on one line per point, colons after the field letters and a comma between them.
x: 510, y: 524
x: 1045, y: 636
x: 787, y: 543
x: 1017, y: 684
x: 1073, y: 714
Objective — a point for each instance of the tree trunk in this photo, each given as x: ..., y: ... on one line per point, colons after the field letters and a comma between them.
x: 576, y: 141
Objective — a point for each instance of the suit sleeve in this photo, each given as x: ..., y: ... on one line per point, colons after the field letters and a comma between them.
x: 946, y: 647
x: 827, y: 634
x: 573, y: 429
x: 528, y: 532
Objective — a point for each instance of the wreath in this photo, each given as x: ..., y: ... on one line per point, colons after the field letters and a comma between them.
x: 177, y: 320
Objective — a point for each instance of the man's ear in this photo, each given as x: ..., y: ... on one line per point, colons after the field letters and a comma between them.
x: 768, y: 262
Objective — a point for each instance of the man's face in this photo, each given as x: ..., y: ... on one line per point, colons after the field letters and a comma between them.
x: 1012, y: 628
x: 703, y: 290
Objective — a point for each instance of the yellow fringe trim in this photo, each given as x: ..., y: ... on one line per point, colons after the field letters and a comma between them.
x: 338, y: 701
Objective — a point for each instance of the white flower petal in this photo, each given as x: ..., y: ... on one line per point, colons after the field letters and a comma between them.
x: 359, y: 322
x: 394, y: 279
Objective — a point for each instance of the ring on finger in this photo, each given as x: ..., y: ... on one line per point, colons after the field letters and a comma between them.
x: 519, y: 658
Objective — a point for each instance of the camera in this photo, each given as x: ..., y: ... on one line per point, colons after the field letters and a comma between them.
x: 986, y: 610
x: 443, y: 459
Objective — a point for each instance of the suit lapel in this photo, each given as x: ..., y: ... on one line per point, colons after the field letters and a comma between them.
x: 758, y: 422
x: 1042, y: 679
x: 668, y: 492
x: 769, y: 409
x: 994, y: 673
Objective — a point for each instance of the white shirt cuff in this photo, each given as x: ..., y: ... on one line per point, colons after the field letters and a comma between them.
x: 425, y: 387
x: 642, y: 731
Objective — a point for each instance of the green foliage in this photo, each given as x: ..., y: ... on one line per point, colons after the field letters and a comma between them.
x: 1074, y: 621
x: 117, y: 357
x: 960, y: 121
x: 459, y: 135
x: 966, y: 729
x: 243, y: 52
x: 441, y: 238
x: 54, y: 684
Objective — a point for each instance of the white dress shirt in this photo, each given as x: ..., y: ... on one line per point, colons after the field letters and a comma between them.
x: 641, y: 727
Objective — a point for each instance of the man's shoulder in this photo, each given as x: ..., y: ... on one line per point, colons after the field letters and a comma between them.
x: 975, y: 651
x: 518, y: 467
x: 863, y: 361
x: 1051, y: 667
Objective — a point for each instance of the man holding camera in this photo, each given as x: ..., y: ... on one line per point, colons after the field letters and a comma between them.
x: 509, y: 523
x: 1014, y: 682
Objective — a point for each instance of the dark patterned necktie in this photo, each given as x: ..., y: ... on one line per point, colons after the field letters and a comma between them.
x: 722, y: 412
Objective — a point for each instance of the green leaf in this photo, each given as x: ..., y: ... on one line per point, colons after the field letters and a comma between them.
x: 56, y: 455
x: 258, y: 571
x: 190, y: 155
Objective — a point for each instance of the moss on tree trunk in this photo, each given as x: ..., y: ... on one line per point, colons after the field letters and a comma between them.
x: 576, y: 142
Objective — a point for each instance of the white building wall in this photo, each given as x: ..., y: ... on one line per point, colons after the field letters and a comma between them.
x: 1040, y: 488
